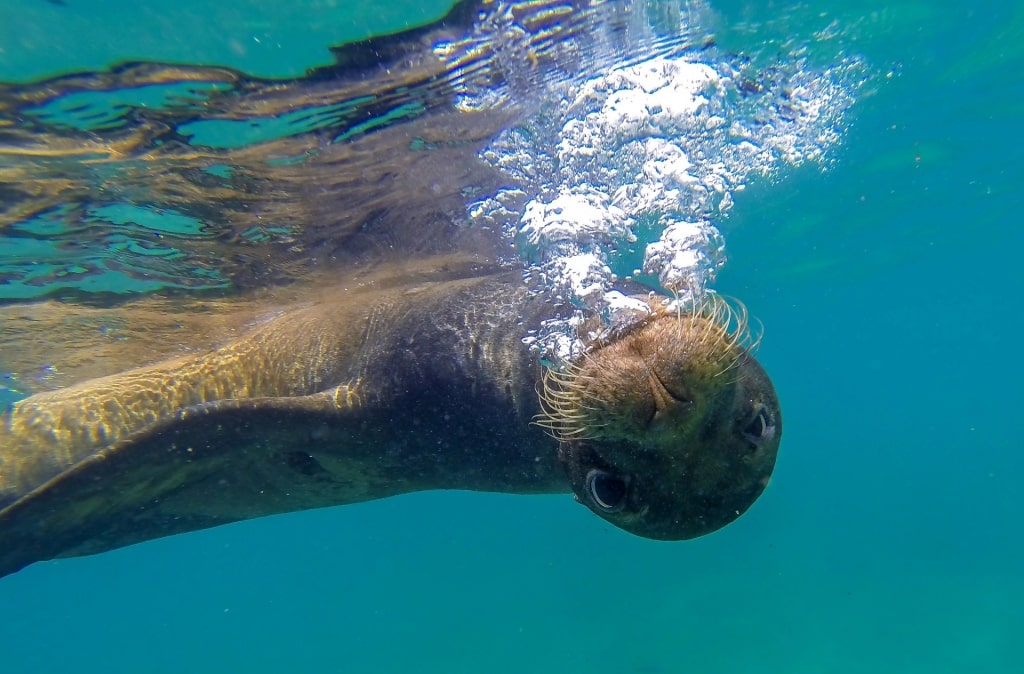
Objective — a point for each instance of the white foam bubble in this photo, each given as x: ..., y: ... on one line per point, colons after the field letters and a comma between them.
x: 651, y: 154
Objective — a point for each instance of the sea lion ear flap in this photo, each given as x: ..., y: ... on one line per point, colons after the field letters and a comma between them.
x: 211, y: 464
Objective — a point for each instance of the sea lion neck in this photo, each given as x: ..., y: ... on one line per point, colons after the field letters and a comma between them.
x: 452, y: 389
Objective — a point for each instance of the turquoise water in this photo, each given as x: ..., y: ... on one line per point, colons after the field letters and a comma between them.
x: 889, y: 539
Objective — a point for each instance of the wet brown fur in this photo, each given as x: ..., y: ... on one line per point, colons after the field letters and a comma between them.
x: 616, y: 387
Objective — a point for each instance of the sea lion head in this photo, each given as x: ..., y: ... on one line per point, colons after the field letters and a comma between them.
x: 669, y: 430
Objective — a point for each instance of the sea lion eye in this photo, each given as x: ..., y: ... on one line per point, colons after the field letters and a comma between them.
x: 606, y: 491
x: 761, y: 428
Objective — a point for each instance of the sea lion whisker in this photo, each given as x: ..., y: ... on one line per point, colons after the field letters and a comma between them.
x: 733, y: 381
x: 677, y: 303
x: 561, y: 428
x: 558, y: 396
x: 561, y: 377
x: 553, y: 392
x: 556, y: 384
x: 732, y: 324
x: 572, y: 422
x: 563, y: 417
x: 551, y: 431
x: 712, y: 333
x: 756, y: 334
x: 732, y: 364
x: 556, y: 412
x: 575, y: 432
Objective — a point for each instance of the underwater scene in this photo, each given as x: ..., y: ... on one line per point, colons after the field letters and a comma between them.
x: 433, y: 336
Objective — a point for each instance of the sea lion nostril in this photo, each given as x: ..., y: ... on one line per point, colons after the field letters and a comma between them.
x: 674, y: 395
x: 606, y: 491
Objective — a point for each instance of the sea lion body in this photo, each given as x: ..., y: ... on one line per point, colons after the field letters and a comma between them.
x: 359, y: 397
x: 371, y: 393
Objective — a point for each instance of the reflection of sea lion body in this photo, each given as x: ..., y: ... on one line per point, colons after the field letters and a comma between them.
x: 381, y: 392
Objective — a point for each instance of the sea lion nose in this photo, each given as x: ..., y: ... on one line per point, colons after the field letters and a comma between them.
x: 668, y: 405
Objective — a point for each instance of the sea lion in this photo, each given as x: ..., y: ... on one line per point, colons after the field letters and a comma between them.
x: 668, y: 428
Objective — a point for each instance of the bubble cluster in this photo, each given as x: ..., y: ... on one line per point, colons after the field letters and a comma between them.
x: 628, y: 173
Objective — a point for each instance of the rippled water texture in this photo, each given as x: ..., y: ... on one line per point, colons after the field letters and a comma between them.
x: 627, y: 133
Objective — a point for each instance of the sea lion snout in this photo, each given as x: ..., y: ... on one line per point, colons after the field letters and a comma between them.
x: 672, y: 431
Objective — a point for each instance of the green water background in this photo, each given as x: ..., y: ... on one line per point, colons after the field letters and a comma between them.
x: 890, y: 539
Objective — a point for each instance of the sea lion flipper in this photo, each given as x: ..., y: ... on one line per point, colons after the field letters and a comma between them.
x: 211, y: 464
